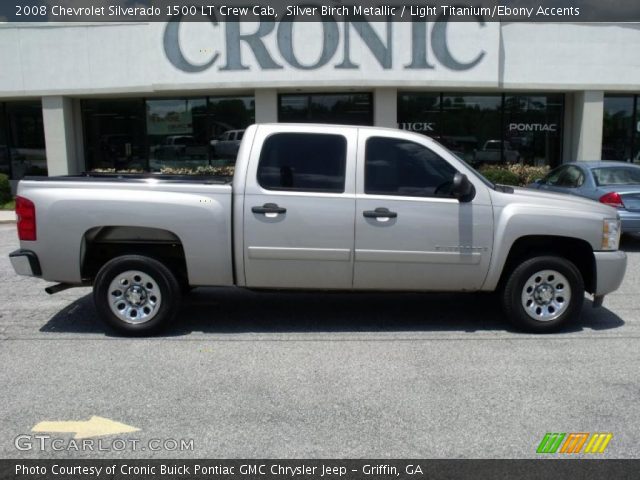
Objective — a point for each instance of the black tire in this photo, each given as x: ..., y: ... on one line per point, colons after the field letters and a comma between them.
x: 162, y: 281
x: 517, y: 301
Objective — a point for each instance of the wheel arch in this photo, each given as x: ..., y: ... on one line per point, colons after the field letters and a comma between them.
x: 103, y: 243
x: 576, y: 250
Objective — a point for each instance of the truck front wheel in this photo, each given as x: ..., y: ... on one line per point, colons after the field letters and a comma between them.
x: 543, y: 294
x: 136, y: 295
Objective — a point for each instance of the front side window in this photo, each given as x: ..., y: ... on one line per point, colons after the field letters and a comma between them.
x: 400, y: 167
x: 303, y: 162
x: 572, y: 178
x: 566, y: 176
x: 553, y: 177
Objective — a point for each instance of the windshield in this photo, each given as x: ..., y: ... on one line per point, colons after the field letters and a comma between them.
x: 616, y: 176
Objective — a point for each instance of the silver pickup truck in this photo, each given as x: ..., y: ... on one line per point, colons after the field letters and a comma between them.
x: 318, y: 207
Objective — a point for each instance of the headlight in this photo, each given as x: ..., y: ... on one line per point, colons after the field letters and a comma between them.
x: 610, y: 234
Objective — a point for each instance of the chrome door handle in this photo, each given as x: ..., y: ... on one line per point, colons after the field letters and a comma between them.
x: 379, y: 213
x: 269, y: 208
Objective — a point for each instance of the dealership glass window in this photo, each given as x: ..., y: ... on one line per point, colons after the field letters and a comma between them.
x: 156, y: 134
x: 228, y: 118
x: 341, y: 108
x: 177, y: 133
x: 488, y: 129
x: 303, y: 162
x: 621, y: 128
x: 618, y: 127
x: 24, y: 150
x: 5, y: 161
x: 533, y: 127
x: 114, y: 134
x: 420, y: 112
x: 470, y: 126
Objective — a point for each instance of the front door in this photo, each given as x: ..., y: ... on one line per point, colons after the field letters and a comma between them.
x: 411, y: 234
x: 299, y: 208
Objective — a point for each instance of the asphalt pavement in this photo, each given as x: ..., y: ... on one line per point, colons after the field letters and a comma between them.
x: 260, y: 375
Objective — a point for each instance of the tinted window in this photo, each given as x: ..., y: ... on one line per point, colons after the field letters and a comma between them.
x: 400, y: 167
x: 616, y: 176
x: 303, y: 162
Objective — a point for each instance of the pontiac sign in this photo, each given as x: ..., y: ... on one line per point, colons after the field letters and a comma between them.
x: 269, y: 45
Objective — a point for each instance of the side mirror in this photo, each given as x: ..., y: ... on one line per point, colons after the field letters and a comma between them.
x: 462, y: 188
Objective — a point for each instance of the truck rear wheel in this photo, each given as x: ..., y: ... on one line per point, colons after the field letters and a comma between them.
x: 136, y: 295
x: 543, y: 294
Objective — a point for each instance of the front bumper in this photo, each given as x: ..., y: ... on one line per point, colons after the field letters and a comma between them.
x: 610, y: 269
x: 25, y: 262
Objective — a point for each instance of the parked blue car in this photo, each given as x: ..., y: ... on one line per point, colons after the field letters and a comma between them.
x: 613, y: 183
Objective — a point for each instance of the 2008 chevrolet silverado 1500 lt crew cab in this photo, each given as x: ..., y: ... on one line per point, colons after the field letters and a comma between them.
x: 319, y: 207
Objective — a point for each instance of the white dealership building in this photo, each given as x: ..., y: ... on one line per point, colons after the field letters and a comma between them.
x: 76, y: 97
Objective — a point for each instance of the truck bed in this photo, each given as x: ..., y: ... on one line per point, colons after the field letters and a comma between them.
x: 193, y: 212
x: 135, y: 178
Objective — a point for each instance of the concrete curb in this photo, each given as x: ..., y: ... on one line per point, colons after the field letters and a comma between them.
x: 7, y: 216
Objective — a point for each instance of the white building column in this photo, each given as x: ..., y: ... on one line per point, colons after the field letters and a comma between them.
x: 586, y: 132
x: 59, y: 135
x: 266, y: 104
x: 385, y: 107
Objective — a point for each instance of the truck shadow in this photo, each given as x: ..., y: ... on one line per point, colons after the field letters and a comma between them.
x: 630, y: 242
x: 232, y: 311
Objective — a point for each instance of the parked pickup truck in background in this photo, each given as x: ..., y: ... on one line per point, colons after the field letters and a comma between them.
x: 228, y: 144
x: 319, y: 207
x: 492, y: 151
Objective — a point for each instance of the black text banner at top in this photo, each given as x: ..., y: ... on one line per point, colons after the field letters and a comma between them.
x: 572, y: 11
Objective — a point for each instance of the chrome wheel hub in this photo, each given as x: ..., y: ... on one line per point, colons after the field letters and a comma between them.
x: 546, y: 295
x: 134, y: 297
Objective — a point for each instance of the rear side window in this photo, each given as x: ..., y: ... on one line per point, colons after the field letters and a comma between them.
x: 616, y: 176
x: 401, y: 167
x: 309, y: 162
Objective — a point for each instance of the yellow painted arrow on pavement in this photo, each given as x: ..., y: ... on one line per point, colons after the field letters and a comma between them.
x: 94, y: 427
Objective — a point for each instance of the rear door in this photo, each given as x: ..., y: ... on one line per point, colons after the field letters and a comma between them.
x: 299, y: 208
x: 411, y: 234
